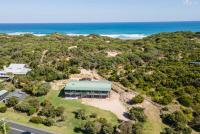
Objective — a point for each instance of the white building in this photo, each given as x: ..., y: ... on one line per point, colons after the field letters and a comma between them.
x: 16, y: 69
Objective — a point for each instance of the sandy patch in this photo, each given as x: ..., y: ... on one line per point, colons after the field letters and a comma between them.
x: 149, y: 72
x: 112, y: 53
x: 85, y: 74
x: 58, y: 84
x: 180, y: 56
x: 112, y: 104
x: 72, y: 47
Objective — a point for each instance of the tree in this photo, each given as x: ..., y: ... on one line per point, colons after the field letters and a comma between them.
x: 12, y: 101
x: 137, y: 99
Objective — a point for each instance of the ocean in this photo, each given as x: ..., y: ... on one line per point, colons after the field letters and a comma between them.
x: 132, y: 30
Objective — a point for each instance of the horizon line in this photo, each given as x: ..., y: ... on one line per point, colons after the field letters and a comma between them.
x: 97, y: 22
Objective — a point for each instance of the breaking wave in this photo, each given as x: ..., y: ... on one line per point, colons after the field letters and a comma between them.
x: 120, y: 36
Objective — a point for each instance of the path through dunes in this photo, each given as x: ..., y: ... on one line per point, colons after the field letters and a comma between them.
x: 43, y: 55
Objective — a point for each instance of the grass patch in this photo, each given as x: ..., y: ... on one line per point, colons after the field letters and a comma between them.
x: 152, y: 127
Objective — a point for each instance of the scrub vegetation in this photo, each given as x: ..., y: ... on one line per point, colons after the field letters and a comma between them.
x: 157, y: 66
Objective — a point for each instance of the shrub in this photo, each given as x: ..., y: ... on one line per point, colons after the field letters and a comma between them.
x: 30, y: 107
x: 126, y: 127
x: 168, y: 131
x: 107, y: 129
x: 125, y: 82
x: 137, y: 128
x: 137, y: 114
x: 137, y: 99
x: 176, y: 120
x: 81, y: 114
x: 166, y: 100
x: 92, y: 127
x: 42, y: 89
x: 185, y: 100
x: 36, y: 119
x: 37, y: 88
x: 165, y: 109
x: 93, y: 115
x: 48, y: 122
x: 31, y: 111
x: 3, y: 109
x: 34, y: 102
x: 74, y: 70
x: 48, y: 112
x: 62, y: 118
x: 46, y: 103
x: 195, y: 123
x: 22, y: 107
x: 59, y: 111
x: 12, y: 101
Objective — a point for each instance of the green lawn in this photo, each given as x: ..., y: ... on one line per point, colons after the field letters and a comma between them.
x: 70, y: 107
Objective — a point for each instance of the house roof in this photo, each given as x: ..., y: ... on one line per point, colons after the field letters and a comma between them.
x: 19, y: 94
x: 16, y: 65
x: 2, y: 72
x: 17, y: 69
x: 2, y: 92
x: 89, y: 85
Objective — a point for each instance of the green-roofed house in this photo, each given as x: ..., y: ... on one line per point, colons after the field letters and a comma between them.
x: 88, y: 89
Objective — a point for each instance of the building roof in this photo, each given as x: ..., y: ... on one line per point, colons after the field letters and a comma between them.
x: 17, y: 69
x: 19, y: 94
x: 2, y: 72
x: 89, y: 85
x: 2, y: 92
x: 198, y: 63
x: 17, y: 66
